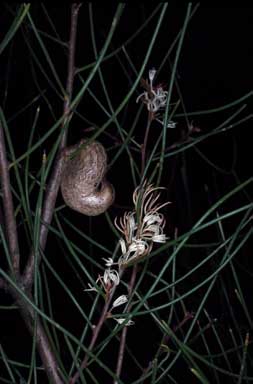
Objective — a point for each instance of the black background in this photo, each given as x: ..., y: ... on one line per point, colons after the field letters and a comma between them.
x: 215, y: 68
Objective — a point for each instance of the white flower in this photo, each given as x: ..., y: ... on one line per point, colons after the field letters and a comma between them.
x: 119, y: 301
x: 111, y: 276
x: 151, y: 218
x: 136, y: 249
x: 139, y: 236
x: 155, y: 99
x: 160, y: 97
x: 138, y: 246
x: 120, y: 321
x: 151, y: 231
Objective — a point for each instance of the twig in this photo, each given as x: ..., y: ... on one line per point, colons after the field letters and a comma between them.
x: 1, y: 218
x: 27, y: 313
x: 3, y: 284
x: 144, y: 145
x: 124, y: 331
x: 8, y: 208
x: 166, y: 338
x: 93, y: 341
x: 71, y: 69
x: 96, y: 332
x: 54, y: 182
x: 29, y: 316
x: 45, y: 352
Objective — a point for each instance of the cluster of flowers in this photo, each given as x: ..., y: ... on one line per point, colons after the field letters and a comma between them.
x: 155, y: 98
x: 141, y: 228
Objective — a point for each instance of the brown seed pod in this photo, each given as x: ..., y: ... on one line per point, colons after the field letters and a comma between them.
x: 83, y: 185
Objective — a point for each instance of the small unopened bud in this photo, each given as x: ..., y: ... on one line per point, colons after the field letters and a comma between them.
x: 119, y: 301
x: 151, y: 75
x: 44, y: 157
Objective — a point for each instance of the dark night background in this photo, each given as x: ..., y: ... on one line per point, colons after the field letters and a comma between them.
x: 215, y: 69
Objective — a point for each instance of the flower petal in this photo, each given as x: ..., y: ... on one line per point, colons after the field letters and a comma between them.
x: 159, y: 238
x: 119, y: 301
x: 111, y: 276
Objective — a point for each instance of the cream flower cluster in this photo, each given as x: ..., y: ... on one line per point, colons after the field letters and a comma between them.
x: 155, y: 98
x: 140, y: 228
x: 109, y: 280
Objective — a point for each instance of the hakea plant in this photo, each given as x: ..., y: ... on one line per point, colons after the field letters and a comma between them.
x: 141, y: 228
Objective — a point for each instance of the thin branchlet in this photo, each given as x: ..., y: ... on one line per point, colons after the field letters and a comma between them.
x: 54, y: 182
x: 24, y: 283
x: 8, y: 207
